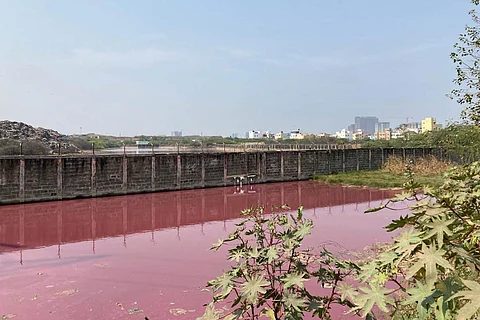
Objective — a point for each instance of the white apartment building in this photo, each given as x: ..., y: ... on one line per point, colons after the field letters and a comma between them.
x: 344, y: 134
x: 253, y: 134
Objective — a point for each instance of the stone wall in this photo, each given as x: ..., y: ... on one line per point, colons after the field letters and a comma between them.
x: 31, y: 179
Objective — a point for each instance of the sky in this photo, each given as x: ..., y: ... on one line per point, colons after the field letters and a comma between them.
x: 218, y: 67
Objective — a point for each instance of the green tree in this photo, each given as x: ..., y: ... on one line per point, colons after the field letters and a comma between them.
x: 467, y: 60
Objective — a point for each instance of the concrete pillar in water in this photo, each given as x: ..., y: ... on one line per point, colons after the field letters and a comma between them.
x: 22, y: 180
x: 59, y: 178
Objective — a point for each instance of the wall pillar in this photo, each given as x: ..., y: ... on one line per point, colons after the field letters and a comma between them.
x: 369, y: 159
x: 225, y: 168
x: 125, y: 175
x: 154, y: 174
x: 202, y: 183
x: 299, y: 165
x: 343, y: 160
x: 93, y: 177
x: 179, y: 171
x: 263, y: 170
x: 358, y: 160
x: 59, y: 178
x: 22, y: 180
x: 282, y: 164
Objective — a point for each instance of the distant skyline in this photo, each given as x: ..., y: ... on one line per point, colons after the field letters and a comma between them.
x: 222, y: 67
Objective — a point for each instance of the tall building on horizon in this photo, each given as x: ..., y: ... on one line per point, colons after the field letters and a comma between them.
x: 382, y: 126
x: 366, y: 124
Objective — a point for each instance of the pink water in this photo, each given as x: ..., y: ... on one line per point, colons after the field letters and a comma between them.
x: 148, y: 254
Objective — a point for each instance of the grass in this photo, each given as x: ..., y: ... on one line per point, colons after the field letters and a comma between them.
x: 379, y: 179
x: 427, y: 172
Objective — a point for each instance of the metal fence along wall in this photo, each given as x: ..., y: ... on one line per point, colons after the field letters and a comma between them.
x: 31, y: 179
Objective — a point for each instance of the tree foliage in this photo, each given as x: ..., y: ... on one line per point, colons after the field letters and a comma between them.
x: 467, y: 61
x: 434, y: 262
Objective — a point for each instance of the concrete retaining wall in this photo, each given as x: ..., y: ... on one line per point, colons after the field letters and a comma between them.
x: 31, y: 179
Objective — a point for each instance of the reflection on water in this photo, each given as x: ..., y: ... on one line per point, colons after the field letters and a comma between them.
x: 55, y: 223
x: 99, y: 258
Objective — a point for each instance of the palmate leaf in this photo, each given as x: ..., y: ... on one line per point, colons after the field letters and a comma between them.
x: 223, y: 283
x: 422, y: 295
x: 252, y: 287
x: 368, y: 271
x: 294, y: 279
x: 428, y: 258
x: 375, y: 295
x: 347, y: 291
x: 439, y: 228
x: 387, y: 258
x: 292, y: 300
x: 400, y: 223
x: 272, y: 254
x: 407, y: 242
x: 473, y: 295
x: 210, y: 313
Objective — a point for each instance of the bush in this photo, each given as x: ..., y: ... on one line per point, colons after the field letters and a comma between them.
x: 422, y: 166
x: 269, y: 270
x: 430, y: 271
x: 10, y: 147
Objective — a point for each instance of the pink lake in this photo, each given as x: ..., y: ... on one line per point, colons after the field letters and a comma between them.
x: 100, y: 258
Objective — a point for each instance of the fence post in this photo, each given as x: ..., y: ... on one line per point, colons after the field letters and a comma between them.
x: 343, y: 160
x: 404, y: 155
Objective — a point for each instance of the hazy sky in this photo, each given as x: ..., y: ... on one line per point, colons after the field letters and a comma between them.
x: 222, y: 67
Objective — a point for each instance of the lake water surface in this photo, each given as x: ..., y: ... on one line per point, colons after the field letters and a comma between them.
x: 147, y: 255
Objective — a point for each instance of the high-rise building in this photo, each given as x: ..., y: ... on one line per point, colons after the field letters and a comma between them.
x: 177, y: 133
x: 351, y: 127
x: 366, y: 124
x: 382, y: 126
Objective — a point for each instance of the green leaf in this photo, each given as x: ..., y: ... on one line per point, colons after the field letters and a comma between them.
x: 422, y: 295
x: 371, y: 210
x: 272, y: 254
x: 292, y: 300
x: 223, y: 282
x: 347, y: 291
x: 210, y: 313
x: 439, y: 227
x: 368, y: 271
x: 294, y: 279
x: 407, y: 242
x: 472, y: 296
x: 373, y: 295
x: 252, y: 287
x: 428, y: 258
x: 217, y: 245
x: 387, y: 258
x: 300, y: 213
